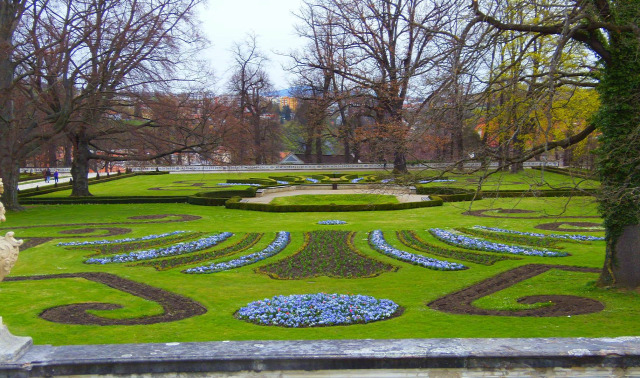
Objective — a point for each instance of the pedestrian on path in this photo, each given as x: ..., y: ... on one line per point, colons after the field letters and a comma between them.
x: 47, y: 175
x: 55, y: 176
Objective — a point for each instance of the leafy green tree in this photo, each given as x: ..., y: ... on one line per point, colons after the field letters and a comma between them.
x: 610, y: 30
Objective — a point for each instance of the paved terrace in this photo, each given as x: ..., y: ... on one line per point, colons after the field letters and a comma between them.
x: 403, y: 194
x: 542, y: 357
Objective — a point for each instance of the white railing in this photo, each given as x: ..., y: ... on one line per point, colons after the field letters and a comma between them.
x: 296, y: 167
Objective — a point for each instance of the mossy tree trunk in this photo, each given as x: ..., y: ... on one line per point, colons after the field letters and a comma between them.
x: 618, y: 121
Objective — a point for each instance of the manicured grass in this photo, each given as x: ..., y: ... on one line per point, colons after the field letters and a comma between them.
x: 528, y: 179
x: 189, y: 184
x: 223, y: 293
x: 337, y: 199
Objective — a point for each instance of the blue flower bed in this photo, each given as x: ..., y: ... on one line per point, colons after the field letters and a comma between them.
x: 317, y: 310
x: 386, y: 181
x: 237, y: 183
x: 313, y: 180
x: 377, y: 241
x: 484, y: 245
x: 282, y: 240
x: 126, y: 240
x: 280, y: 182
x: 538, y: 235
x: 357, y: 180
x: 176, y: 249
x: 437, y: 180
x: 332, y: 222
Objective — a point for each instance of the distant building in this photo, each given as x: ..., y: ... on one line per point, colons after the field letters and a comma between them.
x: 291, y: 102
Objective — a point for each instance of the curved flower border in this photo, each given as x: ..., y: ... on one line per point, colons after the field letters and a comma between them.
x: 377, y: 241
x: 126, y: 240
x: 484, y: 245
x: 539, y: 235
x: 176, y: 249
x: 282, y: 240
x: 331, y: 222
x: 317, y: 310
x: 237, y: 183
x: 436, y: 180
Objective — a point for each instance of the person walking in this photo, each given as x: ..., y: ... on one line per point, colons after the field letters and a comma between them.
x: 55, y: 176
x: 47, y: 175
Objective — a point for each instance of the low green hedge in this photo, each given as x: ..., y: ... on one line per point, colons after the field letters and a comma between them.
x: 66, y: 186
x: 218, y: 198
x: 206, y: 201
x: 102, y: 200
x: 573, y: 172
x: 450, y: 194
x: 234, y: 203
x: 94, y: 180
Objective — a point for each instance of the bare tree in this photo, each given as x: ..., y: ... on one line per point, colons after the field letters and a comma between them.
x: 21, y: 123
x: 386, y: 46
x: 250, y: 84
x: 106, y: 50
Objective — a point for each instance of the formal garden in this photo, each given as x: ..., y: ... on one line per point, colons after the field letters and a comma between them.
x: 191, y: 257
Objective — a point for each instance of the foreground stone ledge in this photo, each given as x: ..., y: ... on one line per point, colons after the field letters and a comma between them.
x: 228, y: 357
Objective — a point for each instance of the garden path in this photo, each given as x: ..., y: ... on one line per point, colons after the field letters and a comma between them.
x: 400, y: 195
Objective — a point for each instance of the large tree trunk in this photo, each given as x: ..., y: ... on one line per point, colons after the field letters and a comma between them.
x: 80, y: 166
x: 308, y: 149
x: 10, y: 177
x: 400, y: 162
x: 347, y: 150
x: 318, y: 148
x: 619, y: 123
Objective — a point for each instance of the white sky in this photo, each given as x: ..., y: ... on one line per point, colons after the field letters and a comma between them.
x: 227, y: 21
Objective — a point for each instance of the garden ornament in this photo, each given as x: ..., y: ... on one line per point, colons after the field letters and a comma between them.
x: 11, y: 346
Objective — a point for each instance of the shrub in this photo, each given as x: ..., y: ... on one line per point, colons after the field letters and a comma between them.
x: 234, y: 203
x: 450, y: 194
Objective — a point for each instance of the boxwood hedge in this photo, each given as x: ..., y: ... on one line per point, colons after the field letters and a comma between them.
x: 234, y: 203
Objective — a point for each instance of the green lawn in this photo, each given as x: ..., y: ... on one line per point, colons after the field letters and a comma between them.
x: 337, y: 199
x: 188, y: 184
x: 411, y: 286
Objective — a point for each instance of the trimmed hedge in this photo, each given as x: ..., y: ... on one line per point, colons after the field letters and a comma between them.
x: 234, y: 203
x: 450, y: 194
x: 573, y: 172
x: 102, y: 200
x: 218, y: 198
x: 94, y: 180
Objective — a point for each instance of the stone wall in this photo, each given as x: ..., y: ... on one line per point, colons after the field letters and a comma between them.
x: 561, y: 357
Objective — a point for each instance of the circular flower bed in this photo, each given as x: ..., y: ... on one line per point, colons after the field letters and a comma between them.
x: 317, y: 310
x: 332, y: 222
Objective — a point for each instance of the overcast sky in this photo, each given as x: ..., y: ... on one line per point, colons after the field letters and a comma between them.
x: 228, y: 21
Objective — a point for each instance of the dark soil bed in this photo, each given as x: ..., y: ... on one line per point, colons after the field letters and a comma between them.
x: 327, y: 253
x: 559, y: 226
x: 483, y: 213
x: 562, y: 305
x: 176, y: 307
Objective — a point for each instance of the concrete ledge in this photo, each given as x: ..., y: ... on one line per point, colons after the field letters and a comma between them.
x: 358, y: 357
x: 11, y: 346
